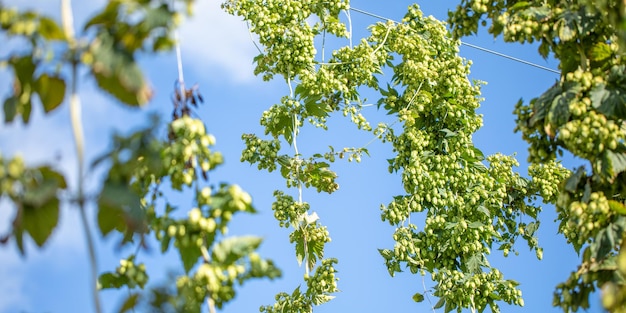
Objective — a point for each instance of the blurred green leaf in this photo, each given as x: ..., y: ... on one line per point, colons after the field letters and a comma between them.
x: 20, y: 103
x: 613, y: 163
x: 117, y: 72
x: 189, y: 255
x: 130, y: 303
x: 10, y: 109
x: 38, y: 208
x: 40, y: 221
x: 617, y: 207
x: 229, y: 250
x: 119, y: 208
x: 49, y: 29
x: 51, y: 91
x: 609, y: 100
x: 112, y: 280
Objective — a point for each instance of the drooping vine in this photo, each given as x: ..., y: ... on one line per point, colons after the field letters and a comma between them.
x: 582, y: 114
x: 288, y: 40
x: 472, y: 203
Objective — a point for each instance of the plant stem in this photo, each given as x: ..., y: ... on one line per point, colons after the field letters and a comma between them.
x: 67, y: 17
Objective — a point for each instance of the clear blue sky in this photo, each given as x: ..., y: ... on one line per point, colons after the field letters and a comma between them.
x: 217, y: 52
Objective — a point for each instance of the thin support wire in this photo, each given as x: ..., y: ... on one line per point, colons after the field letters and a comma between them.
x: 470, y: 45
x: 179, y: 62
x: 323, y: 44
x: 510, y: 57
x: 252, y: 38
x: 382, y: 43
x: 347, y: 12
x: 426, y: 292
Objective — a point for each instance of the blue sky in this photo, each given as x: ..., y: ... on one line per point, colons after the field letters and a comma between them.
x: 217, y: 54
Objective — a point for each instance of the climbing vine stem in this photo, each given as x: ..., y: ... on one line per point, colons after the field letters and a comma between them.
x: 77, y: 130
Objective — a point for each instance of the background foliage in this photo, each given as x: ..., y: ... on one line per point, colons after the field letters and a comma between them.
x: 470, y: 202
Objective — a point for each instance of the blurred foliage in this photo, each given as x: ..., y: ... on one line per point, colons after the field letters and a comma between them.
x: 130, y: 201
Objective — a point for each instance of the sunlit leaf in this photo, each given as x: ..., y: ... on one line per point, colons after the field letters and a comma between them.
x: 600, y: 51
x: 418, y: 297
x: 617, y: 206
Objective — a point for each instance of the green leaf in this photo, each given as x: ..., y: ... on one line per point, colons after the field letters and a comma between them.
x: 440, y: 303
x: 229, y: 250
x: 484, y: 210
x: 109, y: 219
x: 609, y: 100
x: 604, y: 242
x: 519, y: 5
x: 189, y: 255
x: 110, y: 280
x: 571, y: 184
x: 316, y: 109
x: 538, y: 13
x: 130, y: 303
x: 51, y: 91
x: 531, y: 228
x: 117, y: 72
x: 321, y: 299
x: 566, y: 25
x: 542, y: 104
x: 49, y: 29
x: 163, y: 43
x: 20, y: 103
x: 418, y: 297
x: 119, y: 208
x: 299, y: 239
x: 157, y: 17
x: 613, y: 163
x: 544, y: 49
x: 475, y: 262
x: 10, y: 109
x: 165, y: 243
x: 559, y: 112
x: 450, y: 225
x: 386, y: 253
x: 600, y: 51
x: 617, y: 206
x: 106, y: 17
x: 476, y: 225
x: 296, y: 292
x: 448, y: 132
x: 40, y: 221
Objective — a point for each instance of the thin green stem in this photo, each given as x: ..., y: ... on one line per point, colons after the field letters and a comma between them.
x: 67, y: 17
x: 426, y: 293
